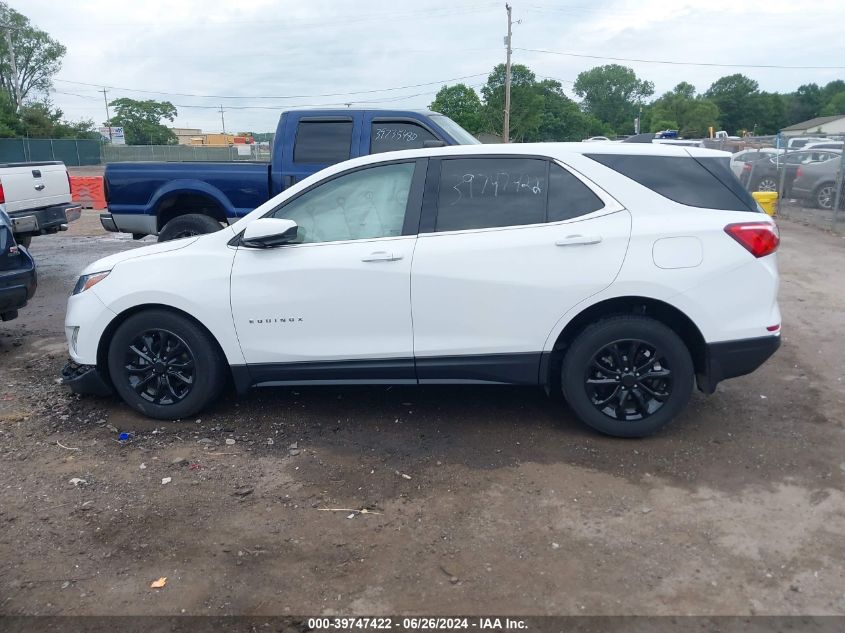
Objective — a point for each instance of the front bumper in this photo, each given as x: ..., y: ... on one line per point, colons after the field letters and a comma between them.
x: 46, y: 220
x: 85, y: 379
x: 107, y: 221
x: 730, y: 359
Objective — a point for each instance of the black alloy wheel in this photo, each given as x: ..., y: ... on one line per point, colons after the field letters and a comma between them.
x: 160, y: 367
x: 628, y: 380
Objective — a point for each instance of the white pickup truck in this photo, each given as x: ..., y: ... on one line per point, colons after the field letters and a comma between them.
x: 37, y: 198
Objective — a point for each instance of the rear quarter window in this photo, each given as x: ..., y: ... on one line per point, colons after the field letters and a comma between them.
x: 706, y: 183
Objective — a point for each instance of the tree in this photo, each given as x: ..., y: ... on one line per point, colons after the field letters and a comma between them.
x: 836, y: 105
x: 141, y: 121
x: 38, y: 57
x: 562, y: 119
x: 461, y: 104
x: 613, y: 94
x: 526, y: 102
x: 735, y: 97
x: 680, y: 109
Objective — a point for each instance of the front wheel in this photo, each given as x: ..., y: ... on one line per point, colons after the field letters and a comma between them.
x: 164, y: 365
x: 187, y: 226
x: 766, y: 183
x: 627, y: 376
x: 825, y: 196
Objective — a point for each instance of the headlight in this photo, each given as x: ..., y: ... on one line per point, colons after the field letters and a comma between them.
x: 86, y: 281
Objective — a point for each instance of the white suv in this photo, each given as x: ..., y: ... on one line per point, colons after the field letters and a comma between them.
x: 620, y: 274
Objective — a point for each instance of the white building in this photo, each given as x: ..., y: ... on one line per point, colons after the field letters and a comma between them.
x: 822, y: 125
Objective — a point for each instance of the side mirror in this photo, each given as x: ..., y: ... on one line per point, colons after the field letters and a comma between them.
x: 434, y: 143
x: 269, y: 232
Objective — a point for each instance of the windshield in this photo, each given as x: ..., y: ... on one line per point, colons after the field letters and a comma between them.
x: 454, y: 130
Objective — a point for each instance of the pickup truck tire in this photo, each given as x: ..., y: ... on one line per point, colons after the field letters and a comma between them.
x: 165, y: 365
x: 188, y: 225
x: 627, y: 376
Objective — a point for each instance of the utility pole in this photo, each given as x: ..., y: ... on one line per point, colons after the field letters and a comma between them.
x: 223, y: 121
x: 506, y: 128
x: 108, y: 116
x: 14, y: 65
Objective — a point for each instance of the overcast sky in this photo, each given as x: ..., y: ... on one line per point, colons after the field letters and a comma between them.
x: 295, y: 51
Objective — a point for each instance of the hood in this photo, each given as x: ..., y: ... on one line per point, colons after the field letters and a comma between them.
x: 107, y: 263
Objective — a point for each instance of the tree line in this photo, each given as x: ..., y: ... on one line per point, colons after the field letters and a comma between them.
x: 610, y: 98
x: 613, y: 96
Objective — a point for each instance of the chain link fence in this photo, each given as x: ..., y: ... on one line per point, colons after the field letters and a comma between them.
x: 72, y: 152
x: 182, y: 153
x: 806, y: 174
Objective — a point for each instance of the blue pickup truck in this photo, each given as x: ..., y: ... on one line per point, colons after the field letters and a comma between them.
x: 174, y: 200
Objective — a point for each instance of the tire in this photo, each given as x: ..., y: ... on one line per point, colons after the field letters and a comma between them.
x: 189, y: 376
x: 637, y: 406
x: 188, y: 225
x: 824, y: 196
x: 24, y: 240
x: 766, y: 183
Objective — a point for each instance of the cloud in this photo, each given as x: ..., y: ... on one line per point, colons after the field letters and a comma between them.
x: 313, y: 47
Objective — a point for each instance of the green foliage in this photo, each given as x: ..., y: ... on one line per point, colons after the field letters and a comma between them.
x: 526, y: 102
x: 836, y: 105
x: 735, y: 96
x: 461, y: 104
x: 680, y: 109
x: 613, y: 94
x: 141, y: 121
x: 37, y: 55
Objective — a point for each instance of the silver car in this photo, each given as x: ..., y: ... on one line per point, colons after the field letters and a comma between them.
x: 816, y: 183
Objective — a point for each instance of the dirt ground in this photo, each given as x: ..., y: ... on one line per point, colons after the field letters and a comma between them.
x: 481, y: 500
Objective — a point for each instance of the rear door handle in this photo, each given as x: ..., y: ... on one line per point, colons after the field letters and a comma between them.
x: 381, y: 256
x: 578, y: 240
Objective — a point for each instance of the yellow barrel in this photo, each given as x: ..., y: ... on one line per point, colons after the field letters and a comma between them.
x: 767, y: 200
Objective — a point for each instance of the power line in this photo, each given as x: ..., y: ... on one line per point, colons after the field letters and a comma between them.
x: 675, y: 63
x: 328, y: 94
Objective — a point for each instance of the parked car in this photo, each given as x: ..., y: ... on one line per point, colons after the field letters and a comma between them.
x: 764, y: 175
x: 816, y: 183
x: 826, y: 145
x: 594, y: 139
x: 17, y: 272
x: 37, y: 198
x: 798, y: 142
x: 620, y: 274
x: 174, y: 200
x: 739, y: 159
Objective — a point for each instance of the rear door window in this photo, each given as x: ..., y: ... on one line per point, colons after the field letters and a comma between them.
x: 696, y: 182
x: 389, y: 136
x: 479, y: 193
x: 323, y: 142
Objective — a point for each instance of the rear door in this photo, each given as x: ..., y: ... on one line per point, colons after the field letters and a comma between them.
x: 507, y: 246
x: 313, y: 143
x: 34, y: 185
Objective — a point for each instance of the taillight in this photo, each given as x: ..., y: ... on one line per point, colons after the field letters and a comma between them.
x: 747, y: 167
x: 758, y: 238
x: 2, y: 193
x: 798, y: 172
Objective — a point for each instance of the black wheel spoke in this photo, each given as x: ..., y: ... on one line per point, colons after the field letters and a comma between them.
x: 160, y: 367
x: 628, y: 380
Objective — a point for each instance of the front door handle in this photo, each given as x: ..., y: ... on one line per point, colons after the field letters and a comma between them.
x: 39, y: 186
x: 578, y: 240
x: 381, y: 256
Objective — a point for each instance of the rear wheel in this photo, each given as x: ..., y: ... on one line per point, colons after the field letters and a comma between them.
x: 164, y: 365
x: 187, y: 226
x: 627, y: 376
x: 766, y: 183
x: 825, y: 196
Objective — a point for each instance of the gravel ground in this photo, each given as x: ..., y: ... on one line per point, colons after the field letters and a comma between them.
x: 446, y: 500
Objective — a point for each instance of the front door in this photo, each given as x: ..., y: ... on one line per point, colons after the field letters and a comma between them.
x: 337, y: 302
x: 507, y: 246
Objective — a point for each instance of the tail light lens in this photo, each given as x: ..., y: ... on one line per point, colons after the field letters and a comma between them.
x: 758, y: 238
x: 746, y: 167
x: 2, y: 193
x: 798, y: 173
